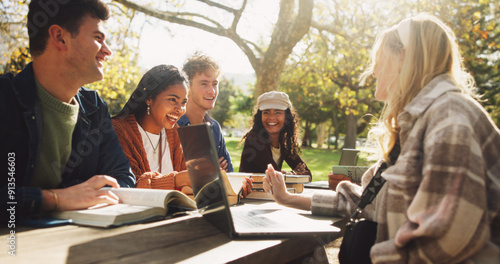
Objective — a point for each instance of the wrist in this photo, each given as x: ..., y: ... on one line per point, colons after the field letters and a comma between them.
x: 50, y: 200
x: 181, y: 179
x: 285, y: 198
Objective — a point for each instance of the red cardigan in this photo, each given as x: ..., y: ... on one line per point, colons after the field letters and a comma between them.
x: 130, y: 139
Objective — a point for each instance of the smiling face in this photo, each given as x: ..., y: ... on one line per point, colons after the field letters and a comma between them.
x: 166, y: 108
x: 273, y: 121
x: 87, y: 51
x: 204, y: 89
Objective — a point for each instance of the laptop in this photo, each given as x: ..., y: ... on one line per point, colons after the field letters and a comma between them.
x: 349, y: 157
x: 238, y: 221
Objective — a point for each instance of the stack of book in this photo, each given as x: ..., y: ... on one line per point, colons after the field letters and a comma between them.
x: 294, y: 183
x: 355, y: 173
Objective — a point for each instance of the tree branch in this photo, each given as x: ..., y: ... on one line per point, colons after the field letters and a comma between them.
x: 328, y: 28
x: 237, y: 16
x: 217, y: 29
x: 221, y: 6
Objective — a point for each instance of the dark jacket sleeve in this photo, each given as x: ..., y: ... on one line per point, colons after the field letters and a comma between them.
x: 96, y: 149
x: 256, y: 155
x: 112, y: 159
x: 17, y: 200
x: 294, y: 160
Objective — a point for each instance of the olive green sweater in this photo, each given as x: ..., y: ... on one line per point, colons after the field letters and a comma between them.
x: 58, y: 123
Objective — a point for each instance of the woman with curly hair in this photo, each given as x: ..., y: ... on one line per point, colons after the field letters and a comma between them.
x: 273, y: 137
x: 147, y: 130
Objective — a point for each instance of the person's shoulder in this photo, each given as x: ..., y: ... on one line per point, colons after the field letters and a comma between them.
x: 91, y: 96
x: 213, y: 123
x: 253, y: 138
x: 454, y: 110
x: 117, y: 122
x: 252, y: 134
x: 211, y: 120
x: 88, y: 93
x: 183, y: 121
x: 6, y: 83
x: 6, y: 77
x: 16, y: 88
x: 456, y: 103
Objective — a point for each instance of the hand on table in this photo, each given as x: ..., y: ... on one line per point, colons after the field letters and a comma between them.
x: 182, y: 179
x: 81, y: 196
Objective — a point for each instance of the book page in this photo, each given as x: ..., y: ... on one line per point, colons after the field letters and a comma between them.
x: 110, y: 215
x: 147, y: 197
x: 232, y: 183
x: 297, y: 178
x: 257, y: 177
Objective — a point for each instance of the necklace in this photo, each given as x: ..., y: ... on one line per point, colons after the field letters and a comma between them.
x: 157, y: 144
x: 155, y: 158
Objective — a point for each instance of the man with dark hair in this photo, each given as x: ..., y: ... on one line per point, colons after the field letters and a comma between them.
x: 59, y: 147
x: 203, y: 73
x: 43, y: 14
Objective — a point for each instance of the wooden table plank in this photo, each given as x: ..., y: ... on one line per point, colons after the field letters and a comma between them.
x: 188, y: 239
x: 221, y: 249
x: 142, y: 241
x: 51, y: 245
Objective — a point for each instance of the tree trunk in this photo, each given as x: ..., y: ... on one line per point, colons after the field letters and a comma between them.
x: 268, y: 62
x: 305, y: 139
x: 351, y: 131
x: 289, y: 30
x: 321, y: 131
x: 329, y: 135
x: 336, y: 127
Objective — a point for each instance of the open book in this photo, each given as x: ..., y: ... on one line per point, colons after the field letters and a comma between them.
x: 136, y: 205
x: 232, y: 185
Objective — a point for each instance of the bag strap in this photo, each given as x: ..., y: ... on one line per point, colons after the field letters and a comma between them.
x: 376, y: 183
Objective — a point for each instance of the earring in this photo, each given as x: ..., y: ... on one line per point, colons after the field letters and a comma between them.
x: 148, y: 110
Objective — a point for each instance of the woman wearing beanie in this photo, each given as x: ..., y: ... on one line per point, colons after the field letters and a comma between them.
x: 273, y: 137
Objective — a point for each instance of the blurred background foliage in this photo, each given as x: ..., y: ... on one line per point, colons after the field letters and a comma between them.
x: 321, y: 71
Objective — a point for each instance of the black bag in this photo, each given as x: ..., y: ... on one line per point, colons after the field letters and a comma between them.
x: 360, y: 233
x: 359, y: 237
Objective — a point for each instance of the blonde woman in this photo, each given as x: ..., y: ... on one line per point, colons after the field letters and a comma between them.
x: 441, y: 199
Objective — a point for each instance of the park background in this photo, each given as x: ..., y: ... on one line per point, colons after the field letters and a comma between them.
x: 314, y: 50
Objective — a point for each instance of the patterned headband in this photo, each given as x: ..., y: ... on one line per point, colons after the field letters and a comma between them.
x: 404, y: 31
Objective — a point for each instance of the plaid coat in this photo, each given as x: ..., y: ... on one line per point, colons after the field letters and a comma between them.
x: 441, y: 201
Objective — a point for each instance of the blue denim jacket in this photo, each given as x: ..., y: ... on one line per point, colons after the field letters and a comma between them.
x: 219, y: 141
x: 95, y: 147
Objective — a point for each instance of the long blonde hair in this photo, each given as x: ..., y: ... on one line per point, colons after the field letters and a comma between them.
x: 431, y: 51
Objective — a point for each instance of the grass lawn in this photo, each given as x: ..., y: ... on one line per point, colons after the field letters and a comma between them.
x: 319, y: 161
